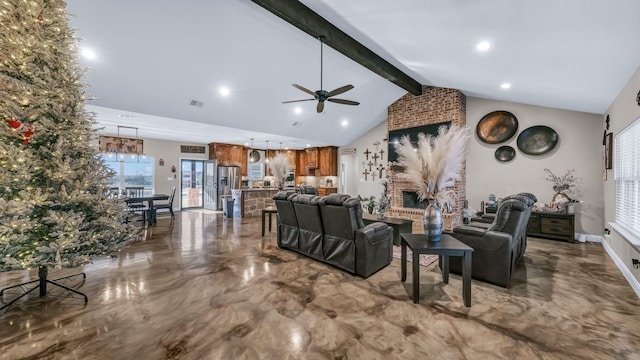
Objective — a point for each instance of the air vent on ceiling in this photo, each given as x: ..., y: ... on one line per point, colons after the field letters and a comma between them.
x: 196, y: 103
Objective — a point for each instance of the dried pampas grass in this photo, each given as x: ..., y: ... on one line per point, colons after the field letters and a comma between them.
x: 279, y: 166
x: 437, y: 162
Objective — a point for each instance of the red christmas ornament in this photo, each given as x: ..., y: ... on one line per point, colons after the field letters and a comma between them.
x: 25, y: 129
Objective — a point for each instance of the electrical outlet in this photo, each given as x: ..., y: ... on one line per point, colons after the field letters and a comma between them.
x: 636, y: 263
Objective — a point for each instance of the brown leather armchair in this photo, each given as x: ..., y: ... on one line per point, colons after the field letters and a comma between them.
x: 498, y: 249
x: 348, y: 243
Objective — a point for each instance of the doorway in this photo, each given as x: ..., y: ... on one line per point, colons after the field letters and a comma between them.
x: 191, y: 183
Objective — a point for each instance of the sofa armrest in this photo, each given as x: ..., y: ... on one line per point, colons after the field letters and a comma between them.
x: 491, y: 241
x: 374, y: 248
x: 375, y: 233
x: 468, y: 230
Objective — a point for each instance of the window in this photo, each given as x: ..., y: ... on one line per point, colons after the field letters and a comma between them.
x: 627, y: 177
x: 131, y: 170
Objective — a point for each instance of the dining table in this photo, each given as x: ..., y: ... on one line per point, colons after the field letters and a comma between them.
x: 149, y: 199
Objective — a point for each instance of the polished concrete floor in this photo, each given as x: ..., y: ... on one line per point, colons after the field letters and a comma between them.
x: 213, y: 288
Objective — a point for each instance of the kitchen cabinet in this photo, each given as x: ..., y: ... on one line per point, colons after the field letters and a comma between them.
x: 301, y: 168
x: 328, y: 157
x: 311, y: 157
x: 229, y: 155
x: 323, y: 191
x: 291, y: 155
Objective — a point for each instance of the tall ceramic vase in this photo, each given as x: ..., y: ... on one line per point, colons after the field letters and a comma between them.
x: 432, y: 221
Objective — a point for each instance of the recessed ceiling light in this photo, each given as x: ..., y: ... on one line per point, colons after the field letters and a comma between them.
x: 344, y: 123
x: 505, y: 86
x: 88, y: 53
x: 298, y: 110
x: 224, y: 91
x: 308, y: 145
x: 483, y: 46
x: 286, y: 148
x: 246, y: 144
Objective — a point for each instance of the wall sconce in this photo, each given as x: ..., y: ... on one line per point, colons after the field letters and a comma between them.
x: 161, y: 162
x: 173, y: 168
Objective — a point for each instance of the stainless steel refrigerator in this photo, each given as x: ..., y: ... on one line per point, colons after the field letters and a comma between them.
x: 228, y: 178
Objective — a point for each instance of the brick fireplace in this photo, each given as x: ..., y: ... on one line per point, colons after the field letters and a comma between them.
x: 435, y: 105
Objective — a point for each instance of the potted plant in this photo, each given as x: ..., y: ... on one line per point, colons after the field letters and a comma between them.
x: 369, y: 203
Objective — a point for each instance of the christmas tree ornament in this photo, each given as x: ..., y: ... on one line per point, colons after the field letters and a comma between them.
x: 26, y: 130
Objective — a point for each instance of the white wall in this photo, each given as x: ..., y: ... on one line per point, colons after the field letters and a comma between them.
x: 623, y: 111
x: 579, y: 147
x: 357, y: 185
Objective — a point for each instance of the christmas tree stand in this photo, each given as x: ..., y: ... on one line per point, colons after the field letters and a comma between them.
x: 43, y: 281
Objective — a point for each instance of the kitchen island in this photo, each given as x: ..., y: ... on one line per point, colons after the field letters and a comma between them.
x: 250, y: 202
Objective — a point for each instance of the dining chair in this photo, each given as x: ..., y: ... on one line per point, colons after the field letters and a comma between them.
x: 168, y: 205
x: 113, y: 193
x: 135, y: 206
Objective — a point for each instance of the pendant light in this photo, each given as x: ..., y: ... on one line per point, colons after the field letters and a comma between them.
x: 266, y: 158
x: 254, y: 156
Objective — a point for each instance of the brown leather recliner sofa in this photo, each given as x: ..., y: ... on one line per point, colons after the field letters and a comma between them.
x: 498, y: 248
x: 330, y: 229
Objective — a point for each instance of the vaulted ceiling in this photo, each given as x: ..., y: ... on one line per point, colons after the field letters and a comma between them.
x: 153, y: 60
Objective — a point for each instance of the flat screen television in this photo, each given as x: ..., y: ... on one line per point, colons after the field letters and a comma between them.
x: 395, y: 135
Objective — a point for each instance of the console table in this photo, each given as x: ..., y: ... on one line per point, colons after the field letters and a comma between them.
x: 549, y: 225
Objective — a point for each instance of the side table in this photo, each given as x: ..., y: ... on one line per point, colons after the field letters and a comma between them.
x: 447, y: 246
x: 265, y: 211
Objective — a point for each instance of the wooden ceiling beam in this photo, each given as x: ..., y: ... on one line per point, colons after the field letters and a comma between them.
x: 305, y: 19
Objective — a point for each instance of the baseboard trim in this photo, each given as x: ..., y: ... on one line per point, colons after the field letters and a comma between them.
x: 588, y: 238
x: 635, y: 285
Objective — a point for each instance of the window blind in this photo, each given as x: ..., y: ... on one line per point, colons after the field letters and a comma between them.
x: 627, y: 177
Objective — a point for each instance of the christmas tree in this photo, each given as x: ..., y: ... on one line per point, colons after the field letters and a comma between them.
x: 54, y: 208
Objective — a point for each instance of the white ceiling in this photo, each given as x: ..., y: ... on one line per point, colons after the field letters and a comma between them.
x: 154, y: 58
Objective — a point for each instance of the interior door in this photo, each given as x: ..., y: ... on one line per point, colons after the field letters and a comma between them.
x: 210, y: 185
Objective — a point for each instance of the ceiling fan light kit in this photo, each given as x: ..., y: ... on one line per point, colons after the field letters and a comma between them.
x: 322, y: 95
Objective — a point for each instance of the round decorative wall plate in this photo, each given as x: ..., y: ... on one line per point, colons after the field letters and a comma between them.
x: 496, y: 127
x: 537, y: 140
x: 505, y: 153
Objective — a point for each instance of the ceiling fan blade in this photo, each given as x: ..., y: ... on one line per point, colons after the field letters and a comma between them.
x: 340, y: 90
x: 292, y: 101
x: 304, y: 89
x: 320, y: 106
x: 344, y: 102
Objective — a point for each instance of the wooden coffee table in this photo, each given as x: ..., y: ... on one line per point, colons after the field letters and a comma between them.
x: 447, y: 246
x: 398, y: 225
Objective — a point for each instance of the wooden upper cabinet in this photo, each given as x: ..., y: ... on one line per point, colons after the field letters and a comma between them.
x: 229, y: 155
x: 328, y: 159
x: 244, y: 166
x: 312, y: 157
x: 293, y: 159
x: 301, y: 167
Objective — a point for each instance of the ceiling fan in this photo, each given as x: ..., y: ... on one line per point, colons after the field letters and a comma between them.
x: 323, y: 95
